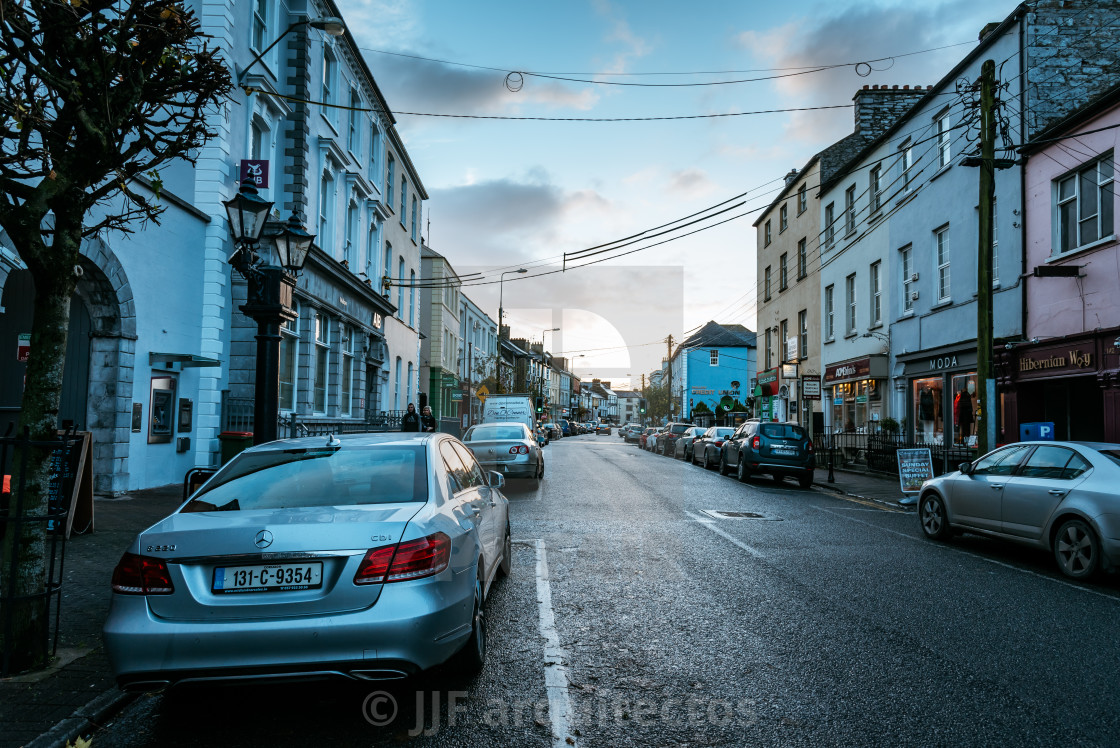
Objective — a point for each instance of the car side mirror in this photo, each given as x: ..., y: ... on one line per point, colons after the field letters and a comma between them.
x: 497, y: 480
x: 965, y: 468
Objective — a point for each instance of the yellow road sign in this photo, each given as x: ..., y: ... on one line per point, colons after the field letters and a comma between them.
x: 481, y: 393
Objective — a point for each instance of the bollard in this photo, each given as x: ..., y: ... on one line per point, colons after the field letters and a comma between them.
x: 831, y: 447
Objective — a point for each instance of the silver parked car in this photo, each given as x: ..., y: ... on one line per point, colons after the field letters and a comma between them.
x: 363, y: 557
x: 508, y: 448
x: 1058, y: 496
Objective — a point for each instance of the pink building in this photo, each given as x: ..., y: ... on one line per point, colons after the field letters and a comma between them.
x: 1067, y: 369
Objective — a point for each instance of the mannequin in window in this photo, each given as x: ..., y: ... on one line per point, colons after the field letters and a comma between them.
x: 926, y: 412
x: 963, y: 415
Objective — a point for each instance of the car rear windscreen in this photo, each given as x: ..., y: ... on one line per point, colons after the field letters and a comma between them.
x: 316, y: 477
x: 495, y: 433
x: 679, y: 428
x: 782, y: 431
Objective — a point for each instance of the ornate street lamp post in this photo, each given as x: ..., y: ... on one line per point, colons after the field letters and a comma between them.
x: 271, y: 277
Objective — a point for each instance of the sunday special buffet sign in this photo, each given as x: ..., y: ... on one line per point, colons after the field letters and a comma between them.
x: 915, y: 467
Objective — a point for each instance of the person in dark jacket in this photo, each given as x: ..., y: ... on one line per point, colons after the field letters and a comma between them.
x: 427, y: 420
x: 411, y: 419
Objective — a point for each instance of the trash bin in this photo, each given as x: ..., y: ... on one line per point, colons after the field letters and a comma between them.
x: 234, y: 442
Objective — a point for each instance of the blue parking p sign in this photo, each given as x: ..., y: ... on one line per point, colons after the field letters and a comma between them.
x: 1037, y: 431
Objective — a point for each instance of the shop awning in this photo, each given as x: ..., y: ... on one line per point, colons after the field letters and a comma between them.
x: 186, y: 360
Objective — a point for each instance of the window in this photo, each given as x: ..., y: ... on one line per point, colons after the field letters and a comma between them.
x: 414, y: 217
x: 829, y: 220
x: 802, y: 258
x: 412, y: 298
x: 400, y: 288
x: 783, y: 340
x: 906, y: 255
x: 783, y: 218
x: 829, y: 314
x: 803, y: 334
x: 350, y: 248
x: 391, y: 168
x: 330, y: 71
x: 713, y: 357
x: 766, y: 284
x: 1001, y: 462
x: 397, y: 386
x: 1049, y: 462
x: 322, y: 352
x: 769, y: 347
x: 783, y: 276
x: 766, y: 235
x: 906, y: 163
x: 944, y: 138
x: 941, y: 253
x: 289, y: 354
x: 850, y: 211
x: 261, y: 147
x: 326, y: 213
x: 404, y: 197
x: 876, y: 188
x: 876, y: 295
x: 374, y: 149
x: 260, y: 25
x: 354, y: 133
x: 802, y: 199
x: 850, y: 299
x: 347, y: 370
x: 408, y: 383
x: 386, y: 281
x: 1084, y: 205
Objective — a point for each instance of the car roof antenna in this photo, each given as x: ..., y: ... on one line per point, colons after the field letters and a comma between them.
x: 332, y: 440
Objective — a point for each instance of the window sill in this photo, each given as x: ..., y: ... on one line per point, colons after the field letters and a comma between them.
x: 942, y: 304
x: 907, y: 314
x: 876, y: 216
x: 829, y: 340
x: 1058, y: 257
x: 941, y: 171
x: 875, y: 326
x: 907, y: 197
x: 849, y: 233
x: 851, y: 336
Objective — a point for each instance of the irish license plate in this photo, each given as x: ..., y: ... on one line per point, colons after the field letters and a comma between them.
x: 785, y: 451
x: 268, y: 577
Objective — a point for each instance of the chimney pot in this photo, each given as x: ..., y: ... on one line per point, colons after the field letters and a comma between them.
x: 865, y: 86
x: 906, y: 88
x: 896, y: 88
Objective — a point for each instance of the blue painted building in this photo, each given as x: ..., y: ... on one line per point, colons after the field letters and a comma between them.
x: 713, y: 366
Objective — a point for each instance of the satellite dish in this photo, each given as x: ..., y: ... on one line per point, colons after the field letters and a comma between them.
x: 783, y: 391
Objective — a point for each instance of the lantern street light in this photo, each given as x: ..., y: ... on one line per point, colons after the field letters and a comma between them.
x: 328, y: 24
x: 270, y: 277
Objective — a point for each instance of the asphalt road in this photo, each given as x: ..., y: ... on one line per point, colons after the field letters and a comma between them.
x: 637, y: 614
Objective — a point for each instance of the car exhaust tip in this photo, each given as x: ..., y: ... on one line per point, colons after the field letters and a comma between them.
x: 380, y: 674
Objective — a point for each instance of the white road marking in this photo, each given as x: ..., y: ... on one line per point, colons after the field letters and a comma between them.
x: 555, y: 669
x: 711, y: 525
x: 930, y: 544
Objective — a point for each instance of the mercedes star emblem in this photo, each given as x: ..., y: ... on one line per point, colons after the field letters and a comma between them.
x: 263, y: 539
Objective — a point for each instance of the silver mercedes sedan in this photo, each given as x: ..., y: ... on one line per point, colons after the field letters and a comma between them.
x: 1063, y: 497
x: 508, y: 448
x: 364, y: 557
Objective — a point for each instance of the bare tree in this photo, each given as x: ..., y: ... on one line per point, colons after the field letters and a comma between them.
x: 93, y: 95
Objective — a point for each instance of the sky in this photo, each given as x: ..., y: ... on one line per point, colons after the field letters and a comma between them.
x: 505, y: 194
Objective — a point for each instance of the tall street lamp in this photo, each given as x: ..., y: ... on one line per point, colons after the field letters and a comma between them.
x: 271, y: 277
x: 540, y: 390
x: 329, y: 24
x: 501, y: 313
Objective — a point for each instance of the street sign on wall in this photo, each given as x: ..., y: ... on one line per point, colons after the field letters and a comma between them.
x: 256, y: 171
x: 810, y: 387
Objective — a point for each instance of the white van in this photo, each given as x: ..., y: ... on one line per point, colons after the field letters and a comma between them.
x: 517, y: 408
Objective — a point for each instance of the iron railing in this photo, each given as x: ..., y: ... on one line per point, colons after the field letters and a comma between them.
x: 874, y: 450
x: 237, y: 415
x: 13, y: 520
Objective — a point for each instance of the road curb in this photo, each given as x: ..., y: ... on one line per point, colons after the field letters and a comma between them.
x: 91, y: 716
x: 883, y: 502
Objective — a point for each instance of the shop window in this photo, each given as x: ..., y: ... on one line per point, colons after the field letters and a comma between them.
x: 929, y: 416
x: 856, y: 405
x: 964, y: 409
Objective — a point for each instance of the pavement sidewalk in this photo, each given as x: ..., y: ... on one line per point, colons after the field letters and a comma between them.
x: 49, y: 707
x: 884, y: 489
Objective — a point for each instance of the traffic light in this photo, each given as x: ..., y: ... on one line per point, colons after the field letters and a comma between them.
x: 540, y: 404
x: 642, y: 405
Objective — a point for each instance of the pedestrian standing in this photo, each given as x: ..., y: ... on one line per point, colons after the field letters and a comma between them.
x: 411, y: 419
x: 427, y: 420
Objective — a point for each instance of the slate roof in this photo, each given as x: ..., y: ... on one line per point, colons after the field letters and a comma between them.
x: 715, y: 335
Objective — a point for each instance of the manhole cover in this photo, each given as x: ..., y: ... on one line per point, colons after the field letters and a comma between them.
x: 723, y: 514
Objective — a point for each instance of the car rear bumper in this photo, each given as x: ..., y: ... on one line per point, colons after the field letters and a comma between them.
x: 777, y: 466
x: 520, y: 468
x: 413, y: 626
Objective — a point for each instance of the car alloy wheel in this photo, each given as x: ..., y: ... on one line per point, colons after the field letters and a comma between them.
x: 506, y: 566
x: 742, y: 471
x: 933, y: 517
x: 705, y: 459
x: 472, y: 656
x: 723, y: 464
x: 1076, y: 549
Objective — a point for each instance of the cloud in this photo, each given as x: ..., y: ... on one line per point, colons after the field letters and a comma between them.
x: 633, y: 46
x: 691, y: 183
x: 860, y: 32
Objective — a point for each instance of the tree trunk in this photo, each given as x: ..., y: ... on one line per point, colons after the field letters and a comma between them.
x: 27, y: 571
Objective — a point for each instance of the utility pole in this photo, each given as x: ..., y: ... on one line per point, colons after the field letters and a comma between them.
x: 985, y: 382
x: 669, y: 385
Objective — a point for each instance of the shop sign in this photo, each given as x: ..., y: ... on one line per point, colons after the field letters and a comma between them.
x: 768, y: 377
x: 256, y: 171
x: 859, y: 369
x: 23, y: 347
x: 810, y: 387
x: 766, y: 408
x: 1048, y: 361
x: 915, y: 467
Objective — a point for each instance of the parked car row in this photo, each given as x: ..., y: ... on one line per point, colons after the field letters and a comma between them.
x: 777, y: 449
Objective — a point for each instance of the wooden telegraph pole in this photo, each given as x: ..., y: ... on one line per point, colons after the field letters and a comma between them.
x: 669, y: 384
x: 985, y: 381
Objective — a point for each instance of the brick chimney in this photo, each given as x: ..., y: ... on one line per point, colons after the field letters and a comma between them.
x: 792, y: 175
x: 879, y: 107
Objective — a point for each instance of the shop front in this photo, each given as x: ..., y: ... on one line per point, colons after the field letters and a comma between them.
x: 769, y: 406
x: 941, y: 395
x: 1071, y: 382
x: 855, y: 391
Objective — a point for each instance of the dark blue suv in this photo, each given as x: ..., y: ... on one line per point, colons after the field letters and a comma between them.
x: 779, y: 449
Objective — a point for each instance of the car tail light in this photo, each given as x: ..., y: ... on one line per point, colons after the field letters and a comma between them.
x: 719, y: 442
x: 810, y: 443
x: 519, y: 450
x: 755, y: 442
x: 141, y: 575
x: 412, y: 559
